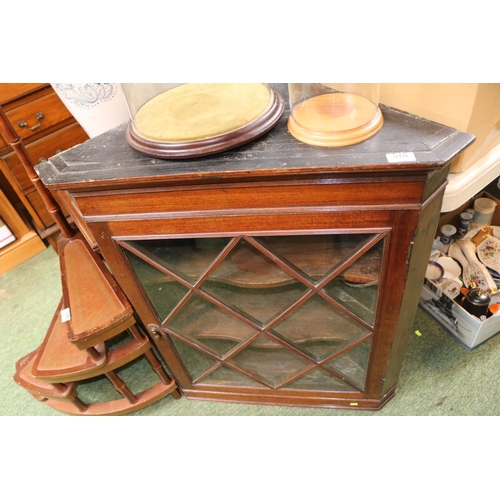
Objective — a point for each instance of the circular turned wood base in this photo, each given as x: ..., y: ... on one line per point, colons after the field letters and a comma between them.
x: 334, y: 120
x: 213, y: 145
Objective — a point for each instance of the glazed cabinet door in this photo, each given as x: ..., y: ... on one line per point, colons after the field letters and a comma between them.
x: 287, y: 310
x: 294, y: 312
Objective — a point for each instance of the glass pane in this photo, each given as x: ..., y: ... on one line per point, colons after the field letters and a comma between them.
x: 197, y: 363
x: 260, y: 305
x: 269, y: 361
x: 209, y: 326
x: 319, y: 380
x: 188, y: 258
x: 352, y: 365
x: 357, y: 286
x: 359, y: 300
x: 313, y: 255
x: 225, y: 376
x: 366, y: 269
x: 247, y: 266
x: 163, y: 292
x: 319, y: 329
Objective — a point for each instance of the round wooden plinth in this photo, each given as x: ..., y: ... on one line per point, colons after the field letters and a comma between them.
x: 336, y: 119
x: 212, y: 145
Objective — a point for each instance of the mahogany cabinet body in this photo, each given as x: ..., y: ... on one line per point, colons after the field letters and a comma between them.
x: 46, y: 127
x: 265, y: 202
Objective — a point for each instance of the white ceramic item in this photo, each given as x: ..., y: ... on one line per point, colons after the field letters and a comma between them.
x: 474, y: 229
x: 97, y: 107
x: 434, y: 271
x: 456, y: 254
x: 451, y: 269
x: 488, y: 252
x: 475, y: 272
x: 450, y: 287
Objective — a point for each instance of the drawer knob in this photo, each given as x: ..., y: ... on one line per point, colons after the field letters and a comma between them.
x: 42, y: 158
x: 39, y: 117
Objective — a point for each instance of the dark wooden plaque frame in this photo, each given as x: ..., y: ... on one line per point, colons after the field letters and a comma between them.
x: 212, y: 145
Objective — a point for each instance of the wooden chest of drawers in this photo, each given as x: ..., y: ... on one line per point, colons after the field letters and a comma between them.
x: 46, y: 127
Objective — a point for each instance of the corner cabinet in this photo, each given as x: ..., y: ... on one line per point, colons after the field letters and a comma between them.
x: 276, y: 273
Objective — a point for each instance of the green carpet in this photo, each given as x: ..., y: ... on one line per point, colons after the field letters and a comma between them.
x: 439, y: 376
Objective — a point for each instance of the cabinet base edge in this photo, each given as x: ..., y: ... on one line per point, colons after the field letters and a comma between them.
x: 337, y: 402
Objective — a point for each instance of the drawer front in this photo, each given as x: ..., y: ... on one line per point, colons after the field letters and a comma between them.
x: 188, y: 201
x: 44, y: 148
x: 38, y: 115
x: 12, y: 91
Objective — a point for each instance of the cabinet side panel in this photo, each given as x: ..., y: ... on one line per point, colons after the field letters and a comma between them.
x: 426, y: 229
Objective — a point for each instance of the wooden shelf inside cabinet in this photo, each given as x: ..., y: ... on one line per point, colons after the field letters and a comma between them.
x: 27, y: 243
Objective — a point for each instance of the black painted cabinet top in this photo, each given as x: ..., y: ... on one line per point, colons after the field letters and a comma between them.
x: 108, y: 159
